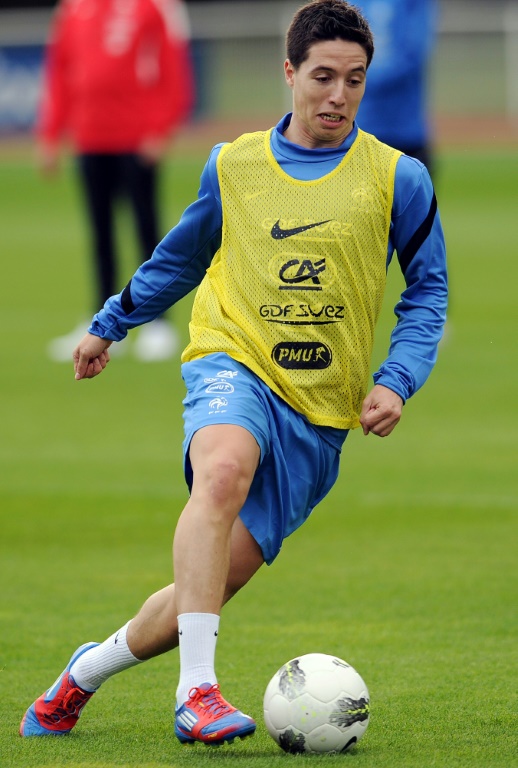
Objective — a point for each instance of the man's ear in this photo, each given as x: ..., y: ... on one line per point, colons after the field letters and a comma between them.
x: 289, y: 71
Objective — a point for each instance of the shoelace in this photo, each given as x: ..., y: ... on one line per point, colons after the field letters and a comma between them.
x: 73, y: 702
x: 210, y: 700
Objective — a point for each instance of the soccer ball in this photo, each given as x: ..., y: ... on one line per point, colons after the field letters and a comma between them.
x: 316, y: 703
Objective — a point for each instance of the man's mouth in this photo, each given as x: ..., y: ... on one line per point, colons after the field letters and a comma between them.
x: 331, y: 118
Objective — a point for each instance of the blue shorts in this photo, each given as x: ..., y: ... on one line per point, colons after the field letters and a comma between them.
x: 298, y: 467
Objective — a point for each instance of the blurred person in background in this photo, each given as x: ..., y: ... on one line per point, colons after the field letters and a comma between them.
x: 118, y: 82
x: 396, y: 103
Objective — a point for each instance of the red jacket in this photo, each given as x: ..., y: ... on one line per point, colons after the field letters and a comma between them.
x: 116, y: 72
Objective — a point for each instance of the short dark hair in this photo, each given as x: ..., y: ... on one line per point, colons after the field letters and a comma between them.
x: 326, y: 20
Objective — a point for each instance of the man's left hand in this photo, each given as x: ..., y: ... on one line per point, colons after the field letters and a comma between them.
x: 381, y: 411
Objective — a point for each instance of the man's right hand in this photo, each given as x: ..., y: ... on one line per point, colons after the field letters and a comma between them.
x: 91, y: 356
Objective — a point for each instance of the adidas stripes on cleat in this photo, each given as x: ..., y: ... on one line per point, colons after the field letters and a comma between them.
x: 58, y: 709
x: 208, y: 718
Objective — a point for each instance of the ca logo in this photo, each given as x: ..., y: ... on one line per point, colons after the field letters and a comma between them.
x: 298, y: 272
x: 302, y: 274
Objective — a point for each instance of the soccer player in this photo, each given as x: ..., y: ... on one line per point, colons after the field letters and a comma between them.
x: 289, y: 242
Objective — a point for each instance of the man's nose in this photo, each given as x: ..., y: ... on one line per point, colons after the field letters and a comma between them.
x: 337, y: 95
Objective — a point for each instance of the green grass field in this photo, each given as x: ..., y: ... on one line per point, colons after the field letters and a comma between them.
x: 407, y: 570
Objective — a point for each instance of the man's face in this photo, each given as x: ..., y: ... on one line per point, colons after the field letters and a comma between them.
x: 327, y: 90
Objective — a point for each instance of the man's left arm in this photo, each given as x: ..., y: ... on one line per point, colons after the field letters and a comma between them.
x: 418, y: 238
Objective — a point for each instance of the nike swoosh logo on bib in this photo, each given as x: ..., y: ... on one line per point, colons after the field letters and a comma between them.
x: 280, y: 234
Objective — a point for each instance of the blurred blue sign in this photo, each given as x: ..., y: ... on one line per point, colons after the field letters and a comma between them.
x: 20, y: 75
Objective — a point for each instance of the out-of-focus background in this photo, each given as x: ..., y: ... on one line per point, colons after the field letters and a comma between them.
x: 238, y: 45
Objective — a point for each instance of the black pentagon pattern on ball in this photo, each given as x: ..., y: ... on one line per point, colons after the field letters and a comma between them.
x: 292, y: 680
x: 349, y: 744
x: 349, y: 711
x: 292, y: 742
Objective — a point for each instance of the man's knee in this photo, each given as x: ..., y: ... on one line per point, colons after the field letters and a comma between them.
x: 224, y: 459
x: 227, y: 481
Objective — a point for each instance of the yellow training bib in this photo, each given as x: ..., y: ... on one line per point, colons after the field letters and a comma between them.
x: 296, y: 287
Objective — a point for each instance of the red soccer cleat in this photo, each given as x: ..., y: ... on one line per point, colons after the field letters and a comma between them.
x: 208, y: 718
x: 57, y: 710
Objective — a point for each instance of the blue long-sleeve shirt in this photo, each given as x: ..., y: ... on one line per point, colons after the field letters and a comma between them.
x: 180, y: 260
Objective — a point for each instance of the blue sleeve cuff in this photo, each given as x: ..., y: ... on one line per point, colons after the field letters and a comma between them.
x: 397, y: 379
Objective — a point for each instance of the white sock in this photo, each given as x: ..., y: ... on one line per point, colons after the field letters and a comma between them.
x: 97, y: 664
x: 198, y: 634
